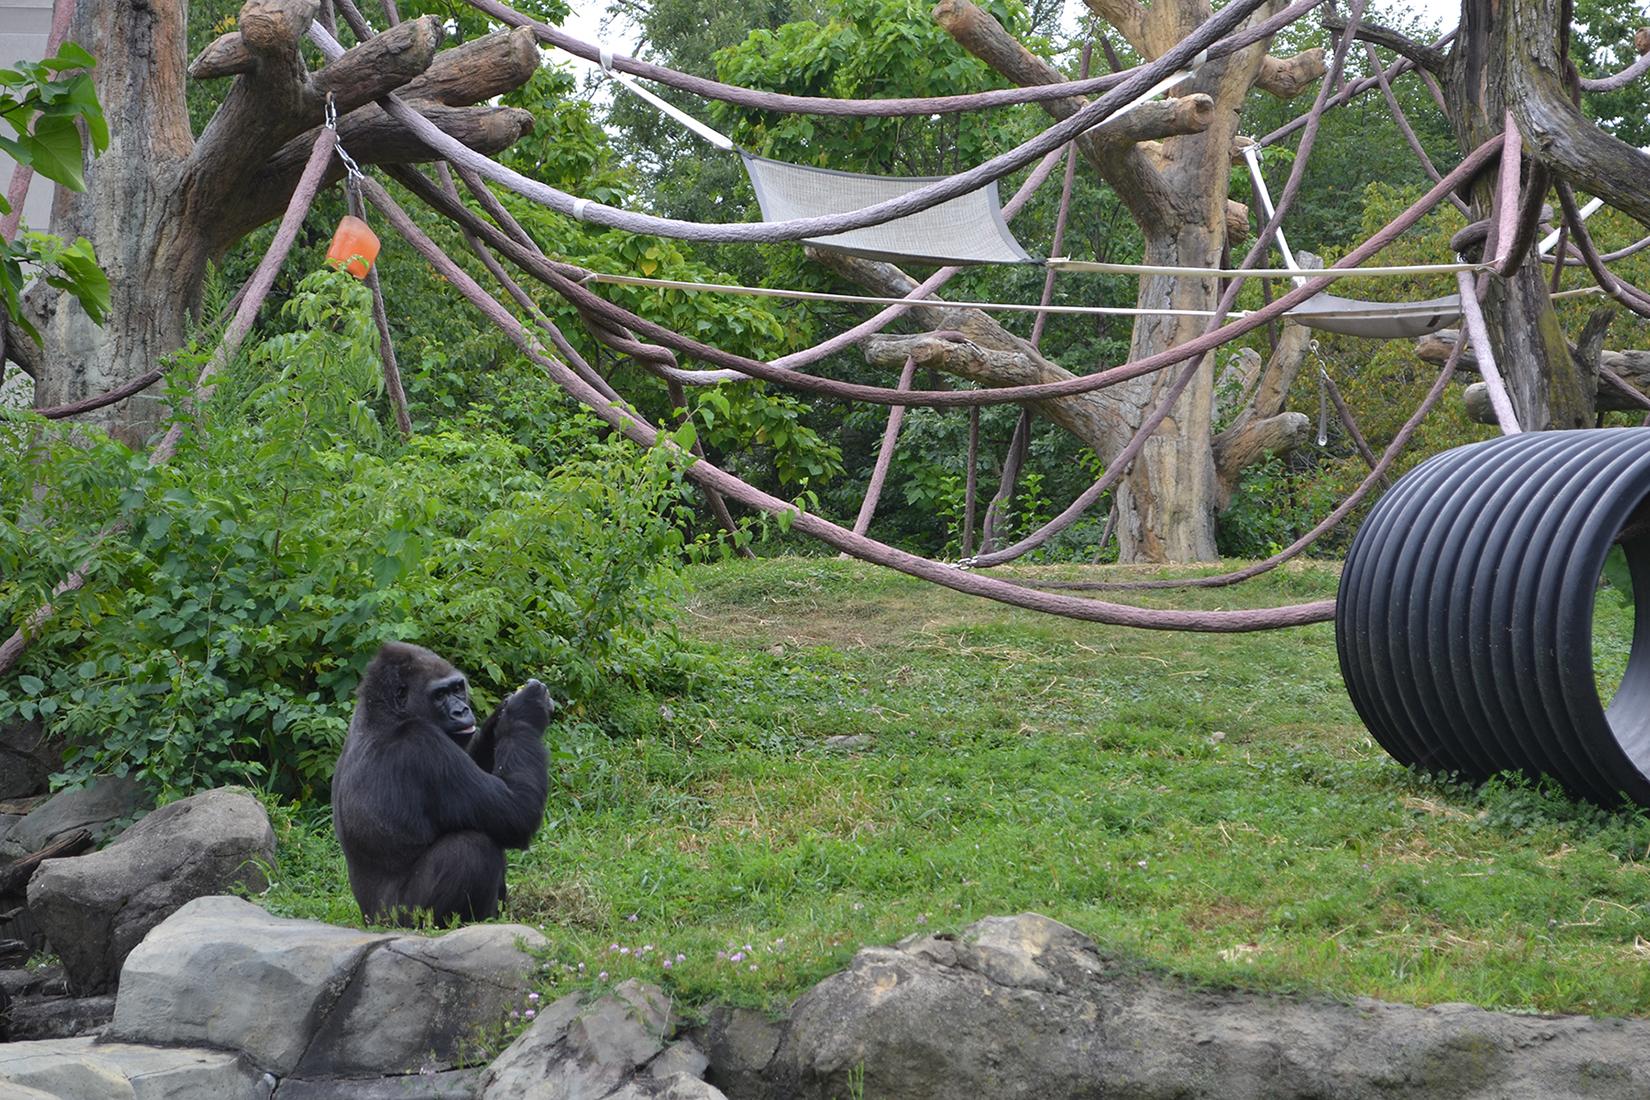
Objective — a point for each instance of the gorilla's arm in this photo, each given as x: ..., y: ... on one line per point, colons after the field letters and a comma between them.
x: 507, y: 802
x: 483, y: 744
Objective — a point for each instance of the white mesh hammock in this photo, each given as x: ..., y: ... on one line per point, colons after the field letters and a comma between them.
x: 968, y: 229
x: 1327, y: 312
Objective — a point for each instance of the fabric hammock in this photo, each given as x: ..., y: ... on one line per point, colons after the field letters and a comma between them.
x: 1376, y: 320
x: 1327, y: 312
x: 968, y: 229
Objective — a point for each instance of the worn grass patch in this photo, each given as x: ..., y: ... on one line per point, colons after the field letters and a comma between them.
x: 1209, y: 804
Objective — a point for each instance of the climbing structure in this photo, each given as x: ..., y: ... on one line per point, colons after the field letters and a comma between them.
x: 958, y: 219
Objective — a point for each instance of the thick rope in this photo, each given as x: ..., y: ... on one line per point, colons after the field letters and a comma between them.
x: 1401, y: 120
x: 100, y: 400
x: 535, y: 263
x: 1174, y: 60
x: 386, y: 343
x: 752, y: 99
x: 1625, y: 293
x: 1479, y: 335
x: 1392, y: 72
x: 1377, y: 476
x: 616, y: 315
x: 637, y: 429
x: 885, y: 455
x: 1619, y: 80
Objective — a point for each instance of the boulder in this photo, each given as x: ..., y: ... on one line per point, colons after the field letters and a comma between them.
x: 418, y: 1002
x: 192, y: 979
x: 27, y: 759
x: 1022, y: 1007
x: 95, y: 908
x: 678, y: 1086
x: 101, y: 807
x: 614, y: 1047
x: 311, y: 1000
x: 78, y: 1069
x: 741, y: 1043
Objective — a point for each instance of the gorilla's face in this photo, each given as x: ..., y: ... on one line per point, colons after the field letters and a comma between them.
x: 450, y: 708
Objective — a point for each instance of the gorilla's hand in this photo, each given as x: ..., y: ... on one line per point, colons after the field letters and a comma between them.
x: 532, y: 705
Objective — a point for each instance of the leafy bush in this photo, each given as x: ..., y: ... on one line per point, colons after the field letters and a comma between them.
x: 227, y: 620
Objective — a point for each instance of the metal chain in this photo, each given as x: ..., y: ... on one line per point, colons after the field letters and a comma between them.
x: 1323, y: 396
x: 352, y: 169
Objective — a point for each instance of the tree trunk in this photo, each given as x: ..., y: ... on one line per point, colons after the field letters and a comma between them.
x: 160, y: 204
x: 1546, y: 388
x: 1170, y: 164
x: 1168, y: 502
x: 132, y: 212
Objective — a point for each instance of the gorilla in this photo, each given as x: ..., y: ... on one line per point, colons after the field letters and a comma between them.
x: 423, y: 803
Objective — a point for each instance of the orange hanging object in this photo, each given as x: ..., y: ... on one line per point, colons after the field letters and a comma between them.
x: 354, y: 247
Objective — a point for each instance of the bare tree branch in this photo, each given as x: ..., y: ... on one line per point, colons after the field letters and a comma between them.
x: 1238, y: 448
x: 477, y: 70
x: 226, y: 56
x: 1288, y: 77
x: 21, y: 349
x: 275, y: 98
x: 1111, y: 147
x: 372, y: 137
x: 997, y: 358
x: 1427, y: 57
x: 1631, y: 366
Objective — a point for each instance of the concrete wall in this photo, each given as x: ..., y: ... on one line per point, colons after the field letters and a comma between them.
x: 24, y: 25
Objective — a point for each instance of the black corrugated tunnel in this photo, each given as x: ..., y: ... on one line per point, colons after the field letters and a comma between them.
x: 1465, y: 618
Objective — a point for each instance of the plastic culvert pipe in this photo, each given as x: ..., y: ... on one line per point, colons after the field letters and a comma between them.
x: 1465, y: 616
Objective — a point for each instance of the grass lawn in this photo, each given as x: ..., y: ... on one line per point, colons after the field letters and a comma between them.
x: 1209, y: 805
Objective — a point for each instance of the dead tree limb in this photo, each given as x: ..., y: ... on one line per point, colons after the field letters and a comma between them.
x: 1426, y: 57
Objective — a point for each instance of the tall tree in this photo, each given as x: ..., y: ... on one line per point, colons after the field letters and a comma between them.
x: 162, y: 203
x: 1170, y: 163
x: 1510, y: 60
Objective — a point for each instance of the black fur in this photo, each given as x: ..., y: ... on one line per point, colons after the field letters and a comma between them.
x: 423, y: 808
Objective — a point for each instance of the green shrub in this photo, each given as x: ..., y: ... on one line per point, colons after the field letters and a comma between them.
x: 223, y: 629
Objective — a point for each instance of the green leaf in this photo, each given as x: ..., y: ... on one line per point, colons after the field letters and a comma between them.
x: 16, y: 151
x: 31, y: 685
x: 83, y: 97
x: 70, y: 56
x: 83, y: 278
x: 55, y: 146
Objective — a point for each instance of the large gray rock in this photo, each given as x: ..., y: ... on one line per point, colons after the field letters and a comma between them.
x: 101, y: 807
x: 615, y: 1047
x: 95, y: 908
x: 222, y: 972
x: 417, y: 1001
x: 78, y: 1069
x: 1023, y: 1007
x: 312, y: 1000
x: 7, y: 821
